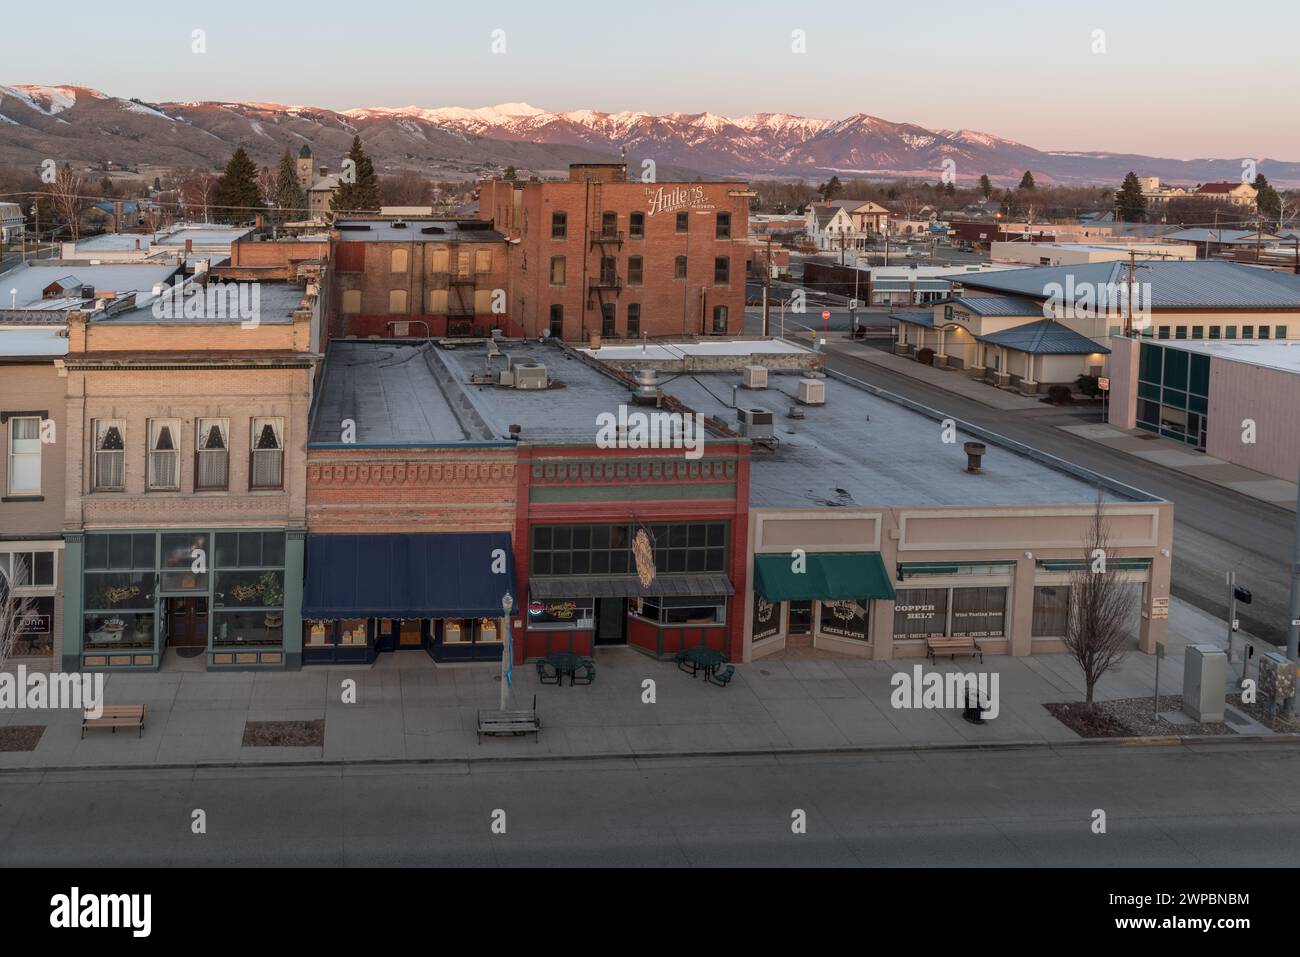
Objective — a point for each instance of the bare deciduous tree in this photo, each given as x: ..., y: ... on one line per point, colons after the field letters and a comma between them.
x: 14, y: 611
x: 67, y: 192
x: 197, y: 189
x: 1097, y: 622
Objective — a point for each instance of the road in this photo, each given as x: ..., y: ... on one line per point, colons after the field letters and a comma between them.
x: 1236, y: 805
x: 1214, y: 529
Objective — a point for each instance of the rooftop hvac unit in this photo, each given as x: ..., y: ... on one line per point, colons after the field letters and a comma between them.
x: 755, y: 423
x: 812, y: 392
x: 755, y: 377
x: 506, y: 379
x: 529, y: 375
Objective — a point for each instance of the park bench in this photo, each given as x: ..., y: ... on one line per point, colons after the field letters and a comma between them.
x: 509, y: 722
x: 953, y: 647
x: 721, y: 676
x: 115, y: 716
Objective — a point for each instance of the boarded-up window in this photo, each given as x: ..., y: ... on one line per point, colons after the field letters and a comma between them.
x: 397, y: 301
x: 482, y: 261
x: 462, y: 263
x: 437, y: 259
x: 557, y: 270
x: 400, y: 259
x: 482, y: 301
x: 437, y: 301
x: 351, y: 301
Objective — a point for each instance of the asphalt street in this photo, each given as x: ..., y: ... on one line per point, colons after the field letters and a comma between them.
x: 1175, y: 806
x: 1214, y: 530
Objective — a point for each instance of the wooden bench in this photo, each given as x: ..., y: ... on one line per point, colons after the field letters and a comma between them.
x: 115, y: 716
x: 953, y: 647
x: 509, y: 722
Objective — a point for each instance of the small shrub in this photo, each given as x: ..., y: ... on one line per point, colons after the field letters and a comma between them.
x: 1087, y: 385
x: 1059, y: 395
x: 925, y: 356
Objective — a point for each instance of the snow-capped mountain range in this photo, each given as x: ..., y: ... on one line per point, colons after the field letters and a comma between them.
x: 84, y: 125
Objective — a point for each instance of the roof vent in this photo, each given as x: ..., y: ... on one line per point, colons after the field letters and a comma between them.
x: 398, y: 224
x: 647, y: 387
x: 974, y: 456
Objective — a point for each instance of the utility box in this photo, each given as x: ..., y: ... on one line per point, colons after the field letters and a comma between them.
x: 1276, y: 682
x: 1205, y: 678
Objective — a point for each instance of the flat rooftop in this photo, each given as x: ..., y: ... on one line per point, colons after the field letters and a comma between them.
x: 705, y: 347
x: 29, y: 279
x: 39, y: 343
x: 416, y: 230
x: 276, y: 303
x: 1283, y: 354
x: 859, y: 449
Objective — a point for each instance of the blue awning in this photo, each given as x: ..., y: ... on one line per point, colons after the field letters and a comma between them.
x: 443, y: 575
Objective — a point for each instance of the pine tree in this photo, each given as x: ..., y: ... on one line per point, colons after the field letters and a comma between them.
x: 290, y: 197
x: 986, y: 187
x: 1130, y: 204
x: 1267, y: 199
x: 362, y: 194
x: 1027, y: 181
x: 236, y: 196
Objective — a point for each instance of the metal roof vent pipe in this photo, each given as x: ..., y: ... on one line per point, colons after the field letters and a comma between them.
x: 514, y: 432
x: 974, y: 456
x: 646, y: 391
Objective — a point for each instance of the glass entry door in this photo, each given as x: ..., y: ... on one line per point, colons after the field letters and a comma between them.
x: 800, y: 617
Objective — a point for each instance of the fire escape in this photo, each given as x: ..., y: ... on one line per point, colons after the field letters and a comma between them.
x: 605, y: 242
x: 460, y: 291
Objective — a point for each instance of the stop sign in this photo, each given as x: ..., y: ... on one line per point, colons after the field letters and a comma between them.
x: 826, y: 313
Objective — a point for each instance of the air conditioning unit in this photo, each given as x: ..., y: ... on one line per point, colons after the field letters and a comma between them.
x: 529, y: 375
x: 755, y: 377
x: 755, y: 423
x: 812, y: 391
x: 401, y: 329
x: 506, y: 379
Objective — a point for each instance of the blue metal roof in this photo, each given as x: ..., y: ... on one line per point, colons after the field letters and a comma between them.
x: 1192, y: 284
x: 997, y: 305
x: 1045, y: 338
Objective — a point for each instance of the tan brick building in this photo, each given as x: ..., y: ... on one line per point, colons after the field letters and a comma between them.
x: 416, y: 277
x: 600, y: 254
x: 185, y: 500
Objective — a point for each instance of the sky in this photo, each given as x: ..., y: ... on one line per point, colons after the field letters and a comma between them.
x: 1173, y: 78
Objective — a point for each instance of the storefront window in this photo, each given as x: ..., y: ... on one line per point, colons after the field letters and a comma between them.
x: 846, y: 619
x: 36, y: 631
x: 128, y: 629
x: 561, y: 613
x: 684, y: 611
x: 247, y: 628
x: 979, y: 612
x: 248, y: 593
x: 920, y: 613
x: 352, y: 631
x: 1051, y: 606
x: 605, y: 549
x: 185, y: 553
x: 767, y: 617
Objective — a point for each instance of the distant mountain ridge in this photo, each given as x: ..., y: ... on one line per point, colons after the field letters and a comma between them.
x: 84, y: 125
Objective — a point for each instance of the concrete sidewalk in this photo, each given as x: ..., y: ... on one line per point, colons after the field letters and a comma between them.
x: 408, y: 707
x: 1180, y: 458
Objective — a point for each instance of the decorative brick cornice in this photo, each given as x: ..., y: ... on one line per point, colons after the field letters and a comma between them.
x: 641, y: 470
x: 411, y: 474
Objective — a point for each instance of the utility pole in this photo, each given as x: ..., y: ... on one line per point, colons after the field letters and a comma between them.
x: 1232, y: 609
x: 767, y: 284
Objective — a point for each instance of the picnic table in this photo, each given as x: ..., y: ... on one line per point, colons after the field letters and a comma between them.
x: 701, y: 659
x: 566, y: 663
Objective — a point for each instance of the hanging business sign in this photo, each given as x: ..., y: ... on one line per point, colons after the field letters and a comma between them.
x: 644, y: 556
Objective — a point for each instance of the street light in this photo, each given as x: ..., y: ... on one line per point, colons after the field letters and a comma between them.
x: 507, y: 653
x: 13, y: 301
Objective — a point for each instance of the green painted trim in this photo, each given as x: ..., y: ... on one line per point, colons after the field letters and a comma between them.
x: 295, y: 548
x: 631, y: 493
x: 73, y: 594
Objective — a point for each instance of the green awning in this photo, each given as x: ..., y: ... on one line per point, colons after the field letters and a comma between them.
x: 1078, y: 564
x: 824, y: 576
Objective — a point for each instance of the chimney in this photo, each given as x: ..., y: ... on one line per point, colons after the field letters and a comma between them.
x: 974, y: 456
x: 137, y: 244
x: 189, y: 246
x: 324, y: 171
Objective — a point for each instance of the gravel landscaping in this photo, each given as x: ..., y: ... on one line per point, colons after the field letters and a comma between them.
x: 284, y: 734
x: 20, y: 737
x: 1128, y: 718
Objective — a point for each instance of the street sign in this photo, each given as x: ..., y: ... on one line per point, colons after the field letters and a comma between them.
x: 826, y: 314
x: 853, y: 304
x: 1103, y: 384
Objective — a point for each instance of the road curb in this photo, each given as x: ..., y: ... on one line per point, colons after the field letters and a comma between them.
x: 1213, y: 740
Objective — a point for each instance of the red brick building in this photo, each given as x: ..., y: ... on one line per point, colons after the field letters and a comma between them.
x: 416, y: 277
x: 601, y: 254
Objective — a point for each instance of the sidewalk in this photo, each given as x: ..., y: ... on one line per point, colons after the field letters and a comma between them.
x: 410, y: 708
x: 1176, y: 456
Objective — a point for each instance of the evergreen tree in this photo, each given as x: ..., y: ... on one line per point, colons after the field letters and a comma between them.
x: 1131, y: 205
x: 986, y: 187
x: 1267, y: 199
x: 362, y: 194
x: 829, y: 190
x: 106, y: 187
x: 510, y: 174
x: 236, y: 196
x: 1027, y: 181
x: 290, y: 197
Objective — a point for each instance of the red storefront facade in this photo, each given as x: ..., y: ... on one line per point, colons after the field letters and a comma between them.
x: 595, y: 498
